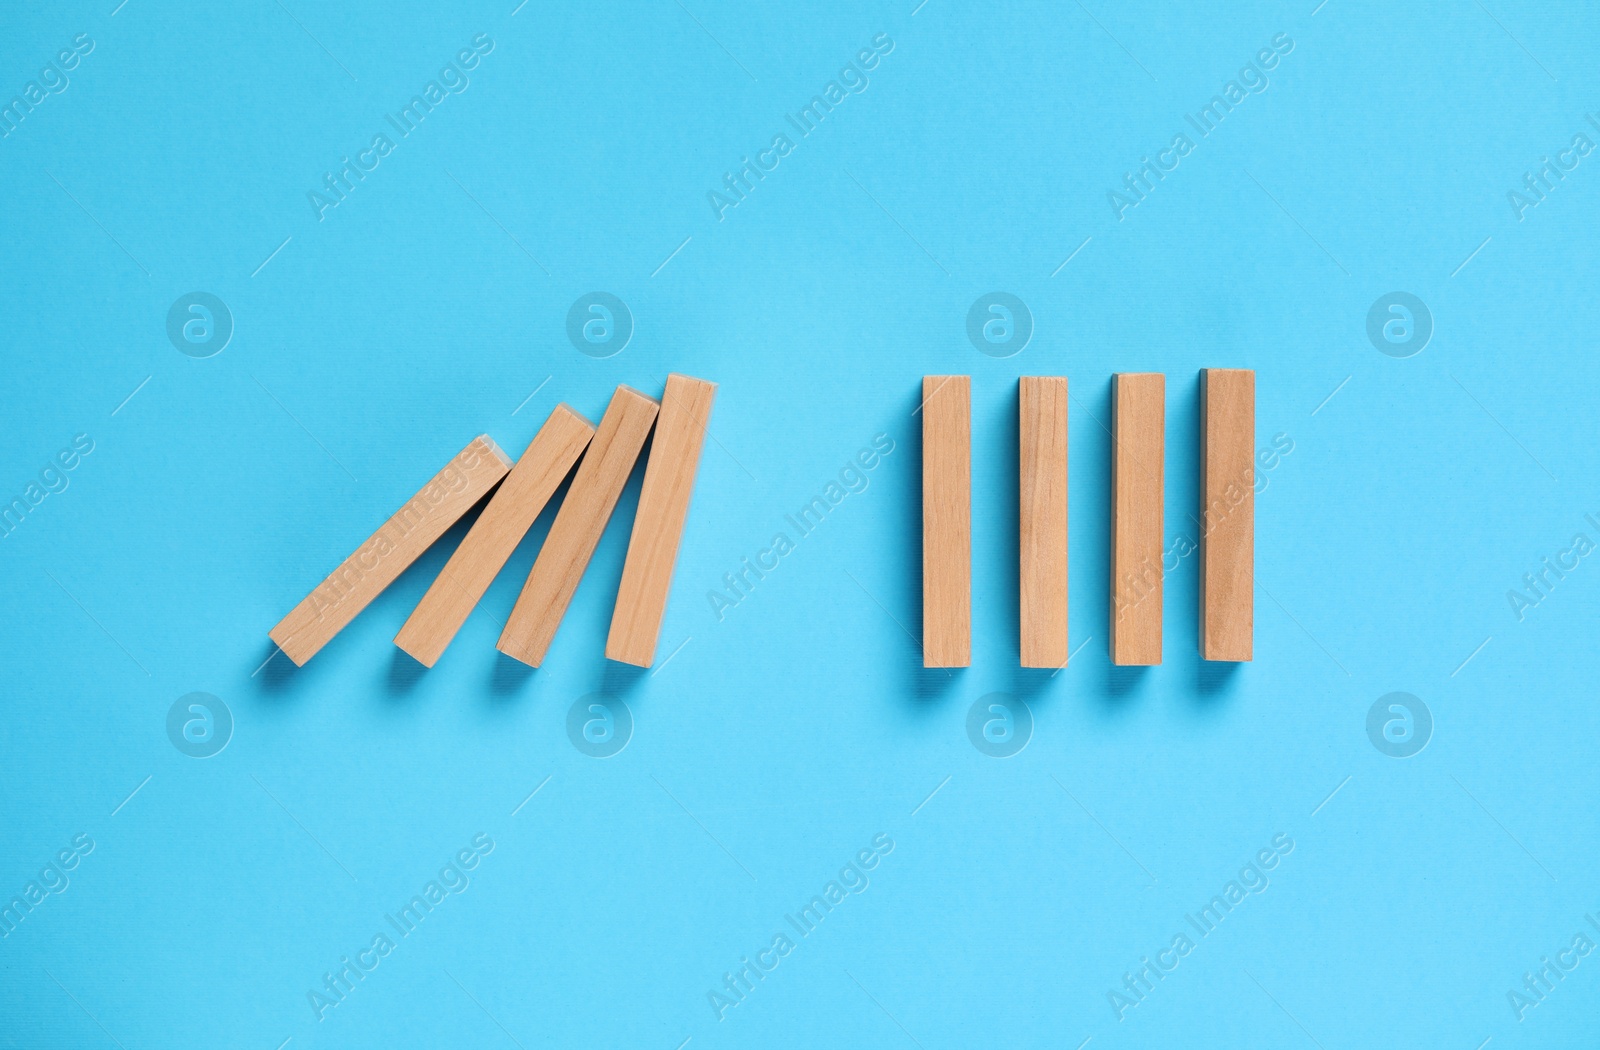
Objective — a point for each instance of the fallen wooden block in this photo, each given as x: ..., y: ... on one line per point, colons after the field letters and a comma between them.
x: 1042, y: 519
x: 1228, y: 538
x: 658, y: 525
x: 1139, y: 406
x: 946, y: 521
x: 578, y: 526
x: 386, y: 553
x: 521, y: 497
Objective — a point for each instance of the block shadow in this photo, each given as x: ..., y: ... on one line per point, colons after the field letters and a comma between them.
x: 927, y: 685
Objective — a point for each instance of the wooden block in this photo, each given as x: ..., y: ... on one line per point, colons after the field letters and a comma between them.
x: 1228, y: 539
x: 386, y: 553
x: 658, y: 526
x: 1042, y: 518
x: 946, y: 521
x: 496, y: 533
x: 578, y: 525
x: 1139, y: 406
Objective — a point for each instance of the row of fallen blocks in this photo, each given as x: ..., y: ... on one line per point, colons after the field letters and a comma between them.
x: 521, y: 491
x: 1227, y: 544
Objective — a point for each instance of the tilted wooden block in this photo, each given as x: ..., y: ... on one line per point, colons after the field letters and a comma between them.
x: 1139, y: 405
x: 520, y: 499
x: 386, y: 553
x: 578, y: 526
x: 1228, y: 538
x: 1042, y: 518
x: 946, y: 521
x: 658, y: 525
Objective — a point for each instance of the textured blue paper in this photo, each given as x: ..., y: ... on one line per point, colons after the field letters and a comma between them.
x: 794, y: 733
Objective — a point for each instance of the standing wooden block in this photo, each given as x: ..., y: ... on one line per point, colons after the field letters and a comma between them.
x: 1042, y: 518
x: 386, y: 553
x: 1228, y: 540
x: 946, y: 521
x: 658, y: 526
x: 496, y: 533
x: 1138, y: 486
x: 578, y: 525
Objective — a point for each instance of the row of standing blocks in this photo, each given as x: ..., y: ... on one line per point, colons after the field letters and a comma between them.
x: 1227, y: 544
x: 604, y: 456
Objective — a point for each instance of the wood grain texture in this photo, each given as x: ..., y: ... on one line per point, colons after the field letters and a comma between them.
x: 386, y: 553
x: 519, y: 500
x: 578, y: 526
x: 1228, y: 540
x: 658, y: 525
x: 946, y: 521
x: 1042, y: 519
x: 1139, y: 407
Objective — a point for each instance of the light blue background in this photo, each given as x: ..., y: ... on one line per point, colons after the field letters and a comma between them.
x: 777, y: 742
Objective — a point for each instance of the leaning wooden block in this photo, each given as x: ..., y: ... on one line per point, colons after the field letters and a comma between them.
x: 1042, y: 518
x: 1228, y: 539
x: 1139, y: 405
x: 496, y: 533
x: 658, y: 525
x: 578, y: 525
x: 946, y: 521
x: 386, y: 553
